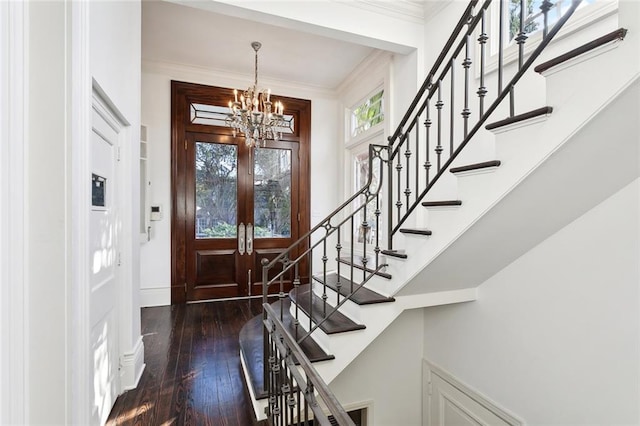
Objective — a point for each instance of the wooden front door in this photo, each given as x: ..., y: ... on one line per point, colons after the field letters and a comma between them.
x: 233, y: 205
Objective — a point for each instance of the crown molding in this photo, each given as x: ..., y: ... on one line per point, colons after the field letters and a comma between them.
x: 212, y: 76
x: 411, y: 11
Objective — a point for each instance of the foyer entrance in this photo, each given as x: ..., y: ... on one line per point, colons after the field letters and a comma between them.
x: 233, y: 206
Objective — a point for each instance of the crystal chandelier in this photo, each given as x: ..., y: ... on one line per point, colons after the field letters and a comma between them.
x: 253, y: 114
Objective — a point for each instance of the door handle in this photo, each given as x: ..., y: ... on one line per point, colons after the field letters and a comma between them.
x: 249, y: 238
x: 241, y: 237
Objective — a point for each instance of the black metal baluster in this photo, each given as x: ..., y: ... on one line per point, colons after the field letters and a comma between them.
x: 500, y: 44
x: 324, y: 277
x: 390, y: 197
x: 439, y: 105
x: 482, y: 39
x: 417, y: 155
x: 377, y: 215
x: 310, y: 278
x: 466, y: 64
x: 338, y: 278
x: 399, y: 171
x: 279, y: 388
x: 407, y: 156
x: 353, y: 237
x: 365, y: 226
x: 452, y: 108
x: 427, y: 125
x: 522, y: 35
x: 296, y: 286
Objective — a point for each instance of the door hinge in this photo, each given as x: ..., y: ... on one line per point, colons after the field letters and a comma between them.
x: 185, y: 144
x: 429, y: 388
x: 119, y: 259
x: 118, y: 154
x: 298, y: 217
x: 185, y: 287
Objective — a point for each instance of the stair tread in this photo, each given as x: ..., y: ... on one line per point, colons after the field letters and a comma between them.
x: 618, y: 34
x: 400, y: 254
x: 359, y: 265
x: 336, y: 323
x: 416, y: 231
x: 443, y: 203
x: 251, y: 347
x: 475, y: 166
x: 520, y: 117
x: 364, y: 296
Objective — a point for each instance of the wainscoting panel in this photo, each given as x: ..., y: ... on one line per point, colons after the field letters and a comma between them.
x: 448, y: 402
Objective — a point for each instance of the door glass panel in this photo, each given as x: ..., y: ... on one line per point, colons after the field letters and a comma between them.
x: 272, y: 184
x: 216, y: 190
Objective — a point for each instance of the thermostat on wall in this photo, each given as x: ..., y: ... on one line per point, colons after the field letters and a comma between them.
x: 156, y: 212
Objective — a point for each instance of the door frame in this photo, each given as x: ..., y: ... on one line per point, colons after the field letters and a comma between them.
x: 182, y: 93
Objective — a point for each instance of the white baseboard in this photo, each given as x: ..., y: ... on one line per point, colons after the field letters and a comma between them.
x: 131, y: 366
x: 159, y: 296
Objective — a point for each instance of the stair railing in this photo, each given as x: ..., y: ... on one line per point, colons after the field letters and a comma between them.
x: 446, y: 111
x: 352, y: 228
x: 294, y: 386
x: 357, y: 221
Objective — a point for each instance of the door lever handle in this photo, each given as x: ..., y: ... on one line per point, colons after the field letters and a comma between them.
x: 241, y: 238
x: 249, y: 238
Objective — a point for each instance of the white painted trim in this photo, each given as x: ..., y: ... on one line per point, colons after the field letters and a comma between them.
x: 436, y: 299
x: 14, y: 296
x: 429, y: 368
x: 132, y: 366
x: 79, y: 357
x: 157, y: 296
x: 401, y: 9
x: 258, y: 404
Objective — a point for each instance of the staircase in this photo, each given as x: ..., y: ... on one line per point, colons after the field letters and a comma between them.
x: 446, y: 201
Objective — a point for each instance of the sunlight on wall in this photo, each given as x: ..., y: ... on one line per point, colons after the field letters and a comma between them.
x: 104, y: 254
x: 103, y: 376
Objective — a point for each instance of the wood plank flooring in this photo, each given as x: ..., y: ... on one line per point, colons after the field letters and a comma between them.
x: 193, y: 374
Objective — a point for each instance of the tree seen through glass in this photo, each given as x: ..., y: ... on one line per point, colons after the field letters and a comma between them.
x: 216, y: 190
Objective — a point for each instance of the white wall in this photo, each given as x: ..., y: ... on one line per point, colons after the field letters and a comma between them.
x: 387, y: 373
x: 115, y: 54
x: 554, y: 337
x: 62, y: 38
x: 13, y: 324
x: 49, y: 227
x: 156, y: 113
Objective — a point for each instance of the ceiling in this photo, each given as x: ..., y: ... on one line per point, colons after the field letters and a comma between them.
x: 180, y: 34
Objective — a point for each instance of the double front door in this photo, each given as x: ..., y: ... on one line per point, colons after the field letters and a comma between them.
x: 234, y: 205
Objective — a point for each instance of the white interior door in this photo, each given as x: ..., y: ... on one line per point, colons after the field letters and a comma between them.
x: 104, y: 255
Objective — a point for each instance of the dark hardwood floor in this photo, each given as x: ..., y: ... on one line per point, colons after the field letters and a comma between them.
x: 193, y: 374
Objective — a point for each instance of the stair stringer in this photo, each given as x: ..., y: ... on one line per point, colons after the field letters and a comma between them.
x: 377, y: 317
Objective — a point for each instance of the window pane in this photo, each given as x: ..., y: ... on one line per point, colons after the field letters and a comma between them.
x: 215, y: 115
x: 534, y: 18
x: 272, y: 185
x: 367, y: 114
x: 216, y: 190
